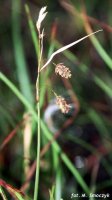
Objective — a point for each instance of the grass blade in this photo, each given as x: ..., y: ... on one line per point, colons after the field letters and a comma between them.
x: 104, y: 86
x: 2, y: 194
x: 32, y: 30
x: 22, y: 71
x: 66, y: 47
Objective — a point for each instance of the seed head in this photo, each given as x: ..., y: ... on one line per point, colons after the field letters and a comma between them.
x: 61, y: 102
x: 63, y: 71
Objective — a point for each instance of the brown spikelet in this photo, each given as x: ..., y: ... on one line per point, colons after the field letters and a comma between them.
x: 63, y: 70
x: 61, y: 102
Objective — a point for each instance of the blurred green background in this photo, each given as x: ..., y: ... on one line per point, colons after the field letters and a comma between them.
x: 85, y: 133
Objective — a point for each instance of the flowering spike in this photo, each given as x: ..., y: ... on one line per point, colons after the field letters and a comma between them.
x: 61, y: 102
x: 42, y: 15
x: 63, y: 70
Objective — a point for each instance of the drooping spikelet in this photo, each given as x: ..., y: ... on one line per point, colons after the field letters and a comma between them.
x: 61, y: 102
x: 63, y: 70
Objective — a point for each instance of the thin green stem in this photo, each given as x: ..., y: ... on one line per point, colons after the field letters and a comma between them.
x: 36, y: 188
x: 38, y: 146
x: 38, y: 157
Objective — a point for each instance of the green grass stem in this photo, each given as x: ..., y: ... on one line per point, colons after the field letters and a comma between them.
x: 36, y: 188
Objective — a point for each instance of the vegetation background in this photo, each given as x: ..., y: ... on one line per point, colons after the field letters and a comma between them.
x: 78, y: 159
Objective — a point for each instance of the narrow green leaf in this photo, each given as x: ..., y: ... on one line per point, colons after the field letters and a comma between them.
x: 105, y: 57
x: 22, y: 71
x: 2, y: 194
x: 32, y: 30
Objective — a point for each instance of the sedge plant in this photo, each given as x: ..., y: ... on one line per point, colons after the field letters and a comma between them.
x: 65, y: 72
x: 60, y: 69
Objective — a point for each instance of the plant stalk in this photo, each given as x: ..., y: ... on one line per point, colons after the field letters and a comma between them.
x: 38, y: 150
x: 36, y: 188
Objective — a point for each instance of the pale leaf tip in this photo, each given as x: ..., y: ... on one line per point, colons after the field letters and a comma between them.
x: 100, y: 30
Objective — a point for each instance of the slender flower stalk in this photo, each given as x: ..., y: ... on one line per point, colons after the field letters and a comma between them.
x: 41, y: 17
x: 38, y: 138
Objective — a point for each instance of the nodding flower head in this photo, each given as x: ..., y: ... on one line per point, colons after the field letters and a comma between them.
x: 63, y: 71
x: 61, y: 102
